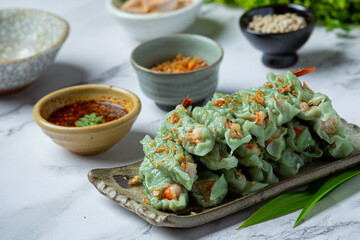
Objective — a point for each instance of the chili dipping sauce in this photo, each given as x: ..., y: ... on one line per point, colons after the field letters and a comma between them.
x: 68, y: 115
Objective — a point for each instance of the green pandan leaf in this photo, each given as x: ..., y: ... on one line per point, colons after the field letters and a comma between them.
x: 290, y: 202
x: 330, y: 185
x: 282, y: 205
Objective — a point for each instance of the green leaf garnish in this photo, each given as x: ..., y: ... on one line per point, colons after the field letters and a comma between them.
x: 290, y: 202
x: 340, y: 14
x: 89, y: 120
x: 329, y: 186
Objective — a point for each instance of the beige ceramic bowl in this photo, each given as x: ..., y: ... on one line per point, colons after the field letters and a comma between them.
x: 92, y: 139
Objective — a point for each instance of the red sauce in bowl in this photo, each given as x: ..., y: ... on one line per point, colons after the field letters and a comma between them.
x: 68, y: 115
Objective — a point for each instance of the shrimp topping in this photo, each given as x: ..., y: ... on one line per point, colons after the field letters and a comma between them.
x: 195, y: 135
x: 304, y: 106
x: 329, y: 126
x: 235, y: 129
x: 172, y: 191
x: 189, y: 167
x: 254, y: 148
x: 260, y: 118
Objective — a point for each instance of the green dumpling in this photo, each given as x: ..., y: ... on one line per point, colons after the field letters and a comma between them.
x: 265, y: 174
x: 219, y: 158
x: 161, y: 191
x: 196, y: 138
x: 276, y: 144
x: 225, y: 129
x: 291, y: 162
x: 239, y: 185
x: 209, y: 189
x: 171, y: 158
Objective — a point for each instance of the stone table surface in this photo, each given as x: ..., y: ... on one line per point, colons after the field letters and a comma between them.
x: 44, y: 190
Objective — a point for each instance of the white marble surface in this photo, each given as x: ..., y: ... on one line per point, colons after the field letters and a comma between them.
x: 44, y: 191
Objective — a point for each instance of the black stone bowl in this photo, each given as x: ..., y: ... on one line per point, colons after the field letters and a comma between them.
x: 279, y: 48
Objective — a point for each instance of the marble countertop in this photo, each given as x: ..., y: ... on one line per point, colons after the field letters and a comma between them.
x: 44, y: 192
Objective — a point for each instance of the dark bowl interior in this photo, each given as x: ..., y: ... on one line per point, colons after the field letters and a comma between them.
x: 279, y: 48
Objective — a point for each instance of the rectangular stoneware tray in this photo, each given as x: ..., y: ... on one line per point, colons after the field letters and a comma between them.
x: 113, y: 183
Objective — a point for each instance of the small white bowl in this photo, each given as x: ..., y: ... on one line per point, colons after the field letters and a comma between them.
x: 148, y: 26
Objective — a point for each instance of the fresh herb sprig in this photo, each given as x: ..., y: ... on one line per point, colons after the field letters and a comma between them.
x: 305, y: 199
x: 330, y: 13
x: 89, y: 120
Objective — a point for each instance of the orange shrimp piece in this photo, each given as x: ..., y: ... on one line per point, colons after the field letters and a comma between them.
x: 172, y: 191
x: 303, y: 71
x: 260, y: 118
x: 168, y: 194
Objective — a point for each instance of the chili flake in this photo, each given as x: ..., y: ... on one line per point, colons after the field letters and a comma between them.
x: 68, y: 115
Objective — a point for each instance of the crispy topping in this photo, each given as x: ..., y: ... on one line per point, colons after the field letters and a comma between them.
x: 268, y: 85
x: 181, y: 64
x: 168, y: 137
x: 285, y: 88
x: 134, y: 180
x: 160, y: 149
x: 174, y: 118
x: 259, y: 97
x: 219, y: 103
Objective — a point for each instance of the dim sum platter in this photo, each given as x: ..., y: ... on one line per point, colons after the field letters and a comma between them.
x: 113, y: 183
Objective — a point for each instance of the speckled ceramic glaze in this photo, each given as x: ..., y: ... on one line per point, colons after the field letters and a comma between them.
x: 113, y: 183
x: 91, y: 139
x: 29, y: 42
x: 170, y: 89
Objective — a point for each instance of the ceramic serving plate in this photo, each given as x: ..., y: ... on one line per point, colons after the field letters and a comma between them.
x: 113, y: 183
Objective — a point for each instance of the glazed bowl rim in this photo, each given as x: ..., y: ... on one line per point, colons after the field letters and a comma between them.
x: 129, y: 117
x: 187, y: 35
x: 43, y: 52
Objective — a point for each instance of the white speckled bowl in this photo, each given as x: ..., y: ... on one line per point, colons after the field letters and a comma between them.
x: 29, y: 42
x: 147, y: 26
x: 170, y: 89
